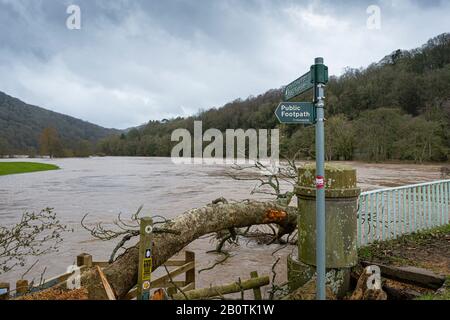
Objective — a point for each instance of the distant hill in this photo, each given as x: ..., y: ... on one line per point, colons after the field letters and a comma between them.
x: 21, y: 125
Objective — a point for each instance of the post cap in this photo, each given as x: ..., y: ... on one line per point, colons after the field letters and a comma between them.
x: 340, y: 181
x: 318, y: 60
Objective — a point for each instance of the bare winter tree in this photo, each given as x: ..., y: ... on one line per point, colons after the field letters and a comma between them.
x: 171, y: 236
x: 277, y: 182
x: 125, y: 230
x: 269, y: 182
x: 35, y: 235
x: 226, y: 219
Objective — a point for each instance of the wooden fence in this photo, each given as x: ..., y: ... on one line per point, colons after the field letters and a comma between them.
x: 85, y: 262
x: 175, y: 288
x: 178, y: 289
x: 186, y: 266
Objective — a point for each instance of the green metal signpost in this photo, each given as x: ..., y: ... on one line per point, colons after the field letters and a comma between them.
x: 290, y: 113
x: 298, y: 86
x: 296, y: 113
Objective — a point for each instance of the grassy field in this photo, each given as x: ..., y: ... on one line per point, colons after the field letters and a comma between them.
x: 24, y: 167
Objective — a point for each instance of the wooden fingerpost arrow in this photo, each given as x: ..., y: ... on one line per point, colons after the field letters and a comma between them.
x: 145, y: 258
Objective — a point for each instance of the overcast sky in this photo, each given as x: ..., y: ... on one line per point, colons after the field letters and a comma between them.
x: 134, y: 61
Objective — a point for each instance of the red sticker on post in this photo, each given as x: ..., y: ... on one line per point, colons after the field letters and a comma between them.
x: 320, y: 182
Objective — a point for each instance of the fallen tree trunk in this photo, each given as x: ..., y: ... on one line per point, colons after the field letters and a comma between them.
x: 122, y: 274
x: 222, y: 290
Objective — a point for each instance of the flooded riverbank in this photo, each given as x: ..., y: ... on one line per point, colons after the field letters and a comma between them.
x: 104, y: 187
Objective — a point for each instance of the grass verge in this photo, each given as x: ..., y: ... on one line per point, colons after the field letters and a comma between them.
x: 442, y: 294
x: 7, y: 168
x: 379, y: 249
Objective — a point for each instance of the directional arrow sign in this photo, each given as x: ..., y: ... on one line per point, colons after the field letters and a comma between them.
x: 299, y: 86
x: 296, y: 113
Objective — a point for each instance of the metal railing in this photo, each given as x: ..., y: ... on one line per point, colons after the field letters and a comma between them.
x: 388, y: 213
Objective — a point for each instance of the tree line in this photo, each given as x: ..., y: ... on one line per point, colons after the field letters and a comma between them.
x: 51, y: 145
x: 397, y: 109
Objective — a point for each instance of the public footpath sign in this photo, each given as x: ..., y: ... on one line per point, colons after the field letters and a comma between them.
x: 312, y: 113
x: 296, y: 113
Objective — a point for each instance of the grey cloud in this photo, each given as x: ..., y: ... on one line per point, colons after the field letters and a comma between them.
x: 139, y: 60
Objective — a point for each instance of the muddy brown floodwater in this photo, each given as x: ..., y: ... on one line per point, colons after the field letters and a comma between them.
x: 104, y: 187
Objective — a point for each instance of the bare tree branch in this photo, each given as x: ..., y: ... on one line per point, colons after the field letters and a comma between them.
x: 35, y: 235
x: 126, y: 230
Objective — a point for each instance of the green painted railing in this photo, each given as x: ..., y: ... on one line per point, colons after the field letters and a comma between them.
x: 388, y: 213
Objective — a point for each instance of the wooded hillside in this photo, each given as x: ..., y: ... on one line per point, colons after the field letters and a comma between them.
x: 398, y: 108
x: 21, y: 126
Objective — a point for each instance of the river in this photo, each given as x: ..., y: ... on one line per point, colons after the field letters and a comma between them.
x: 105, y: 187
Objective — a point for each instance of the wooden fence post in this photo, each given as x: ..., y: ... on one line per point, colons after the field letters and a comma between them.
x: 257, y: 290
x: 145, y: 258
x: 190, y: 275
x: 171, y: 291
x: 22, y: 287
x: 4, y: 291
x: 84, y: 259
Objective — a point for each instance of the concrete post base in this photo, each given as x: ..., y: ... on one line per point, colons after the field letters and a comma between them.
x: 299, y: 273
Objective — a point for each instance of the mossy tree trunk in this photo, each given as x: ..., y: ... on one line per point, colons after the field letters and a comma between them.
x: 122, y: 274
